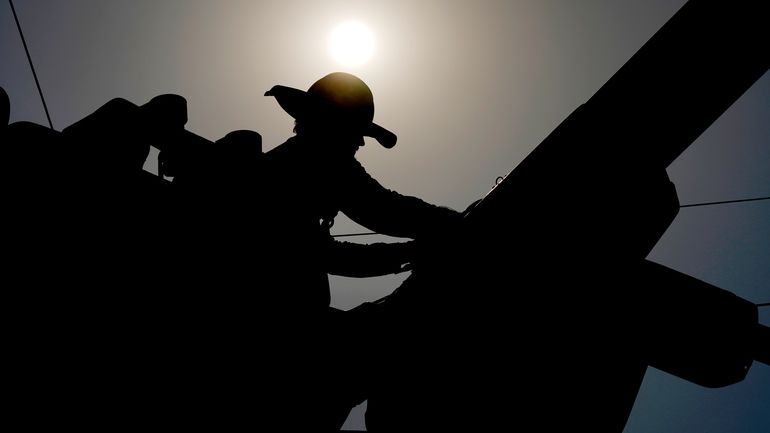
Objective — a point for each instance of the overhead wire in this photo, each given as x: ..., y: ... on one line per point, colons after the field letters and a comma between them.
x: 31, y: 65
x: 711, y: 203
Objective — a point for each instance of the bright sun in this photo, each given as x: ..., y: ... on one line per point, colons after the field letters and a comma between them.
x: 352, y: 43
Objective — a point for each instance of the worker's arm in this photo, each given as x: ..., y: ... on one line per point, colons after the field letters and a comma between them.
x: 384, y: 211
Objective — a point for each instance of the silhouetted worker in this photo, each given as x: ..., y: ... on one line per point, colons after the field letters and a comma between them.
x: 314, y: 175
x: 308, y: 180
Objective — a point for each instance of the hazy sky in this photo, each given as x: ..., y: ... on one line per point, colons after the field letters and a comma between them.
x: 470, y: 87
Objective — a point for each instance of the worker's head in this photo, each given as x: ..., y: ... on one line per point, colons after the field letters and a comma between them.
x: 339, y: 107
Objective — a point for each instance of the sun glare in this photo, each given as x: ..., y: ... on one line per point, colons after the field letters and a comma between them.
x: 352, y: 43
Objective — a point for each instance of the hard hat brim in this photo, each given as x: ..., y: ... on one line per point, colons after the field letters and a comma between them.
x: 298, y: 104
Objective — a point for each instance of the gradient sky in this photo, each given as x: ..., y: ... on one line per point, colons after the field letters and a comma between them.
x: 470, y: 87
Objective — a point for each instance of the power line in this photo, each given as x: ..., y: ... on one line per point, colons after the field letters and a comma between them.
x: 347, y: 235
x: 32, y: 66
x: 725, y: 202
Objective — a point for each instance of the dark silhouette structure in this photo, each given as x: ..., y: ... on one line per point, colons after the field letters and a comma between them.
x: 549, y: 312
x: 130, y: 292
x: 200, y: 297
